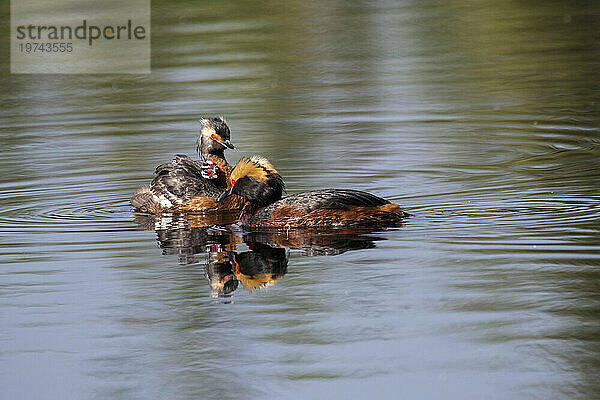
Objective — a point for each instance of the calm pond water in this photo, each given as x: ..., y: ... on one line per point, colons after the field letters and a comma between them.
x: 483, y: 119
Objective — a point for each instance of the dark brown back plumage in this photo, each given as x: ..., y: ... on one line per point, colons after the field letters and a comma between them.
x: 260, y: 184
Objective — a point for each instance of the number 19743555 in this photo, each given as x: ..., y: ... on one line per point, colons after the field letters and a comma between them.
x: 35, y: 47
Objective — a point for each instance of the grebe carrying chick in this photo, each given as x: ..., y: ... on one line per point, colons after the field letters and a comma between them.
x: 188, y: 185
x: 255, y: 179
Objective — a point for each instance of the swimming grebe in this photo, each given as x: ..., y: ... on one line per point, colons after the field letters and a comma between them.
x: 260, y: 184
x: 188, y: 185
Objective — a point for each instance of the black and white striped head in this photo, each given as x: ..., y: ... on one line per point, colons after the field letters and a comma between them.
x: 214, y: 136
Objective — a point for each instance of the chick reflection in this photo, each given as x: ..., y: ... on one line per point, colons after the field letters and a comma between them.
x: 219, y: 272
x: 187, y: 237
x: 260, y: 266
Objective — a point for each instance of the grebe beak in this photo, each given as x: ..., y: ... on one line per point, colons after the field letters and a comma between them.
x: 224, y: 195
x: 226, y: 143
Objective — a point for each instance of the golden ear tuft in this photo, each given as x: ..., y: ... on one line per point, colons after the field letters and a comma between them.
x: 256, y: 167
x: 263, y: 162
x: 257, y: 281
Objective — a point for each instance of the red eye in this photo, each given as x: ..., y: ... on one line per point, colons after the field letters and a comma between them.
x: 232, y: 182
x: 213, y: 136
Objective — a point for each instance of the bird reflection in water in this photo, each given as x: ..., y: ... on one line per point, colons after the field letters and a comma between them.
x: 264, y: 262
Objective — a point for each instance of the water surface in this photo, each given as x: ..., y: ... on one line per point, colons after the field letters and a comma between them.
x: 482, y: 119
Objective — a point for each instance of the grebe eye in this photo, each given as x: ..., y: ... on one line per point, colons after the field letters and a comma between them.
x: 213, y: 136
x: 232, y: 182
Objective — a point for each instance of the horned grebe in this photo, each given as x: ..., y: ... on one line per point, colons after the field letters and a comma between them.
x: 256, y: 180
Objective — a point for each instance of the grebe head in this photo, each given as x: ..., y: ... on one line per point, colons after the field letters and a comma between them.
x: 214, y: 136
x: 255, y: 179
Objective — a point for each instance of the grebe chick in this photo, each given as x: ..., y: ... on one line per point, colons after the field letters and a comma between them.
x: 188, y: 185
x: 260, y: 184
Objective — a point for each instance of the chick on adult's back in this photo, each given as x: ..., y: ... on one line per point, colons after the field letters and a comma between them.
x: 185, y: 184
